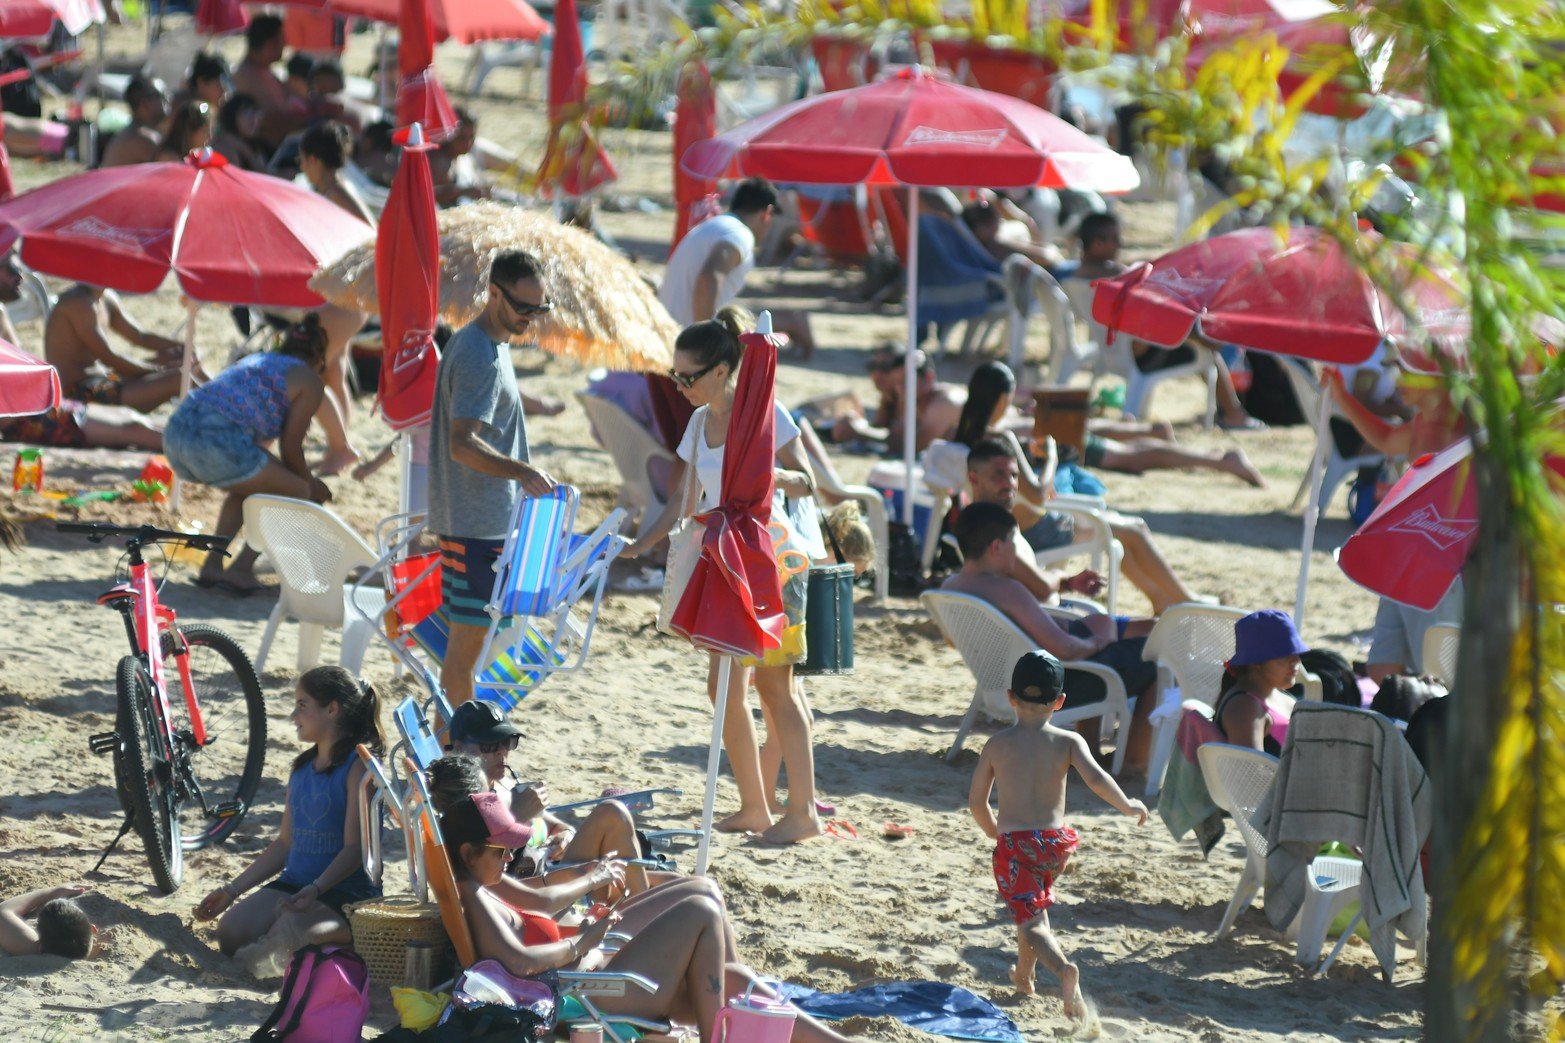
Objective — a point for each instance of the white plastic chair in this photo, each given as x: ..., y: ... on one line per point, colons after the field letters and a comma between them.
x: 632, y: 448
x: 1189, y: 644
x: 1097, y: 350
x: 1028, y: 279
x: 1238, y: 778
x: 1441, y: 642
x: 1337, y: 467
x: 35, y: 302
x: 990, y: 645
x: 485, y: 58
x: 1333, y: 885
x: 314, y: 553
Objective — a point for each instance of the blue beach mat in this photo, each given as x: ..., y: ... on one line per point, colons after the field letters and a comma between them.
x: 929, y: 1006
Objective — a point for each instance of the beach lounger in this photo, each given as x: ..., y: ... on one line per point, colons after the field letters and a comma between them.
x: 990, y: 645
x: 632, y: 448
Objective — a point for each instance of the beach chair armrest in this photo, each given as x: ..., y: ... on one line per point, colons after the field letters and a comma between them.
x: 640, y: 800
x: 604, y: 983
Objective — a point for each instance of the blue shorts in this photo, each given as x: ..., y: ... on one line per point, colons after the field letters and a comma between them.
x: 467, y: 577
x: 209, y: 448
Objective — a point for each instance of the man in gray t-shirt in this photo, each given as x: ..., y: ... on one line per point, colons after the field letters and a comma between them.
x: 478, y: 458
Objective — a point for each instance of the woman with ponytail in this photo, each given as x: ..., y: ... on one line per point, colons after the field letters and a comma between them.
x: 218, y: 434
x: 315, y: 864
x: 706, y: 368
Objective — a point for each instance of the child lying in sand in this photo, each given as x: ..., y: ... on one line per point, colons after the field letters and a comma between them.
x: 1029, y: 762
x: 59, y: 926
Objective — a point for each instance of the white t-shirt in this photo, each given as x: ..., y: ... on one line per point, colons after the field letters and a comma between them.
x: 708, y: 463
x: 679, y: 280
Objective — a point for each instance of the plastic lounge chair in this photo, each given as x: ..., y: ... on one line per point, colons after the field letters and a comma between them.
x: 632, y: 448
x: 378, y: 794
x: 1238, y: 778
x: 873, y: 504
x: 1441, y: 642
x: 580, y: 985
x: 314, y: 552
x: 1337, y: 467
x: 36, y: 302
x: 1190, y: 644
x: 990, y: 645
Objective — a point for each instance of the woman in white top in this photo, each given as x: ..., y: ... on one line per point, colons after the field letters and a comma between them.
x: 706, y: 368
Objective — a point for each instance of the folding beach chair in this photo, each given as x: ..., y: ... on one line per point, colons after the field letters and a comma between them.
x: 378, y: 794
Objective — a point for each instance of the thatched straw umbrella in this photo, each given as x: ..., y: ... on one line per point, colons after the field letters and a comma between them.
x: 604, y: 313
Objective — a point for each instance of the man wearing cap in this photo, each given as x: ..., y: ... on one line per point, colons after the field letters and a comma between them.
x: 939, y: 405
x: 480, y: 729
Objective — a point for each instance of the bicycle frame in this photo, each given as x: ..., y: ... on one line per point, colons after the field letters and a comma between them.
x: 146, y: 620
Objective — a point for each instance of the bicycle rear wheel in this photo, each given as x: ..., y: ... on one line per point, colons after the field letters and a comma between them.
x: 227, y: 769
x: 145, y: 774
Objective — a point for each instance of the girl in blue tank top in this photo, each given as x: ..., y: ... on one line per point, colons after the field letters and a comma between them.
x: 315, y: 865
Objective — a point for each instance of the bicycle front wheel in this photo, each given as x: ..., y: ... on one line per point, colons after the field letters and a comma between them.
x: 226, y: 770
x: 145, y: 774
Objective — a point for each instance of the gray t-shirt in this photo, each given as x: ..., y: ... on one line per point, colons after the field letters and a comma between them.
x: 476, y: 381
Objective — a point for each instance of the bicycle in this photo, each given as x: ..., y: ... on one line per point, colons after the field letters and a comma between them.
x: 186, y: 770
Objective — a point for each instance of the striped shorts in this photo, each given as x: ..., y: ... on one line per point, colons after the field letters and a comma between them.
x: 467, y: 577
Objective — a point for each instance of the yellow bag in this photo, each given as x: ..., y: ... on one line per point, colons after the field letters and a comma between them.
x: 419, y: 1010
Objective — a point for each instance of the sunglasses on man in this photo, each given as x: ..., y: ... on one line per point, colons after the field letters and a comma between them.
x: 523, y: 308
x: 503, y: 746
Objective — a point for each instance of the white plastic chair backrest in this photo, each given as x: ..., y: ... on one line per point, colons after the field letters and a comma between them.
x: 1305, y: 388
x: 1238, y: 778
x: 945, y: 466
x: 1080, y: 293
x: 313, y: 551
x: 989, y: 643
x: 1193, y: 642
x: 631, y: 446
x: 1441, y: 642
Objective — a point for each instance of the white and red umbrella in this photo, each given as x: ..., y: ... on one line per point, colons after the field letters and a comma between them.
x: 918, y: 130
x: 465, y: 21
x: 23, y: 18
x: 420, y: 97
x: 28, y: 385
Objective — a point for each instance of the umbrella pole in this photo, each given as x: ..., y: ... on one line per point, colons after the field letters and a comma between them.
x: 405, y: 467
x: 186, y: 378
x: 910, y: 362
x: 725, y: 665
x: 1322, y: 433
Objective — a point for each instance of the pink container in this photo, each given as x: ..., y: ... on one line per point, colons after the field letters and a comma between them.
x: 754, y: 1019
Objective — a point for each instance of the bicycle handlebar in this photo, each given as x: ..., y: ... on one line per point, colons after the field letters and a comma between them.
x: 142, y: 535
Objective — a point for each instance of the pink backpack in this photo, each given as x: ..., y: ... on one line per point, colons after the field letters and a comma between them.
x: 325, y: 999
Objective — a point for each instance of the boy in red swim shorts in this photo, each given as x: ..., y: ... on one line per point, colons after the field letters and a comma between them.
x: 1029, y: 762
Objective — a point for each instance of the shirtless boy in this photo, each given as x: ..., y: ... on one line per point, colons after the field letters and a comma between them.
x: 76, y: 343
x: 1029, y: 762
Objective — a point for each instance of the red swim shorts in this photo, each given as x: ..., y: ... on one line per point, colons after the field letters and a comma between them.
x: 1025, y: 865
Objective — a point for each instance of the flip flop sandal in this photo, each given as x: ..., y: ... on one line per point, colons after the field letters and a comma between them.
x: 841, y: 829
x: 895, y: 831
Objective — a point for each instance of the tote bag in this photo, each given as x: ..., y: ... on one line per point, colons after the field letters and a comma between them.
x: 684, y: 550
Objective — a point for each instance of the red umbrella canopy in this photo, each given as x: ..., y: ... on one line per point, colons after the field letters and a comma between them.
x: 465, y: 21
x: 216, y: 17
x: 1303, y: 297
x: 695, y: 119
x: 229, y: 235
x: 420, y: 97
x: 914, y: 129
x: 22, y: 18
x: 27, y: 385
x: 1415, y: 544
x: 574, y: 163
x: 407, y: 282
x: 734, y: 601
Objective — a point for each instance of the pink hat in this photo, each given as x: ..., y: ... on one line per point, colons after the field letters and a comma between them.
x: 483, y: 818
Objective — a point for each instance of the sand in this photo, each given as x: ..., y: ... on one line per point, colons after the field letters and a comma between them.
x: 1136, y: 908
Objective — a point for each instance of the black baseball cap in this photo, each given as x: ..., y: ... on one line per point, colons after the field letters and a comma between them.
x: 1037, y: 677
x: 481, y: 721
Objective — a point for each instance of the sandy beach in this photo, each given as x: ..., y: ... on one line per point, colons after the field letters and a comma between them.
x: 1136, y: 908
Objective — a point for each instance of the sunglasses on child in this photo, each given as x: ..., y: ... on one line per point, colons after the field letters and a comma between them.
x: 523, y: 308
x: 503, y: 746
x: 688, y: 380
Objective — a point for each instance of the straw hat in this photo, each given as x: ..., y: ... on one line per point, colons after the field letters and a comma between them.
x: 604, y: 313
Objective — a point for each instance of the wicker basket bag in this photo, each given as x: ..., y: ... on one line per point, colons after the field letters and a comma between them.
x: 383, y: 927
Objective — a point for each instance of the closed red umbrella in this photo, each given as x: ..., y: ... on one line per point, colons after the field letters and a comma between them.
x: 420, y: 97
x: 574, y: 163
x: 695, y: 119
x: 28, y: 385
x: 465, y: 21
x: 407, y: 283
x: 216, y: 17
x: 1416, y: 543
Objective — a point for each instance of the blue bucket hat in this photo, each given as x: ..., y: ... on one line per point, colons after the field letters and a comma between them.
x: 1265, y: 635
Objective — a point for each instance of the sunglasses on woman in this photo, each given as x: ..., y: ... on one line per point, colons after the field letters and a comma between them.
x: 688, y: 380
x: 523, y: 308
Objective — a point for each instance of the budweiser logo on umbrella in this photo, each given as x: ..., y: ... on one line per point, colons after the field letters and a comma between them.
x: 1444, y: 533
x: 95, y: 228
x: 971, y: 138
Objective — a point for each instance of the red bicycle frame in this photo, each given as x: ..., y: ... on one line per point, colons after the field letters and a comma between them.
x: 145, y: 623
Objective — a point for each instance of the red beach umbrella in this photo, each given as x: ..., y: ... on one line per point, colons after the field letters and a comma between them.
x: 23, y: 18
x: 465, y: 21
x: 407, y: 283
x: 1415, y: 544
x: 420, y: 97
x: 695, y: 119
x: 217, y: 17
x: 28, y: 385
x: 574, y: 163
x: 7, y: 188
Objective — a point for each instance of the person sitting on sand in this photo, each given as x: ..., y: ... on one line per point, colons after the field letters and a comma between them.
x: 1254, y: 705
x: 314, y: 866
x: 1029, y: 764
x: 939, y: 405
x: 684, y: 950
x: 481, y: 730
x: 76, y: 344
x: 218, y: 434
x: 986, y: 532
x: 138, y: 141
x: 59, y: 927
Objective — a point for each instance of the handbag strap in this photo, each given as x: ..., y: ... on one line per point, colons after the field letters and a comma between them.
x: 832, y: 536
x: 687, y: 494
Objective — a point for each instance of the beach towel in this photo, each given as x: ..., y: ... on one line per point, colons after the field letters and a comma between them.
x: 1185, y: 805
x: 957, y: 278
x: 929, y: 1006
x: 1348, y: 775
